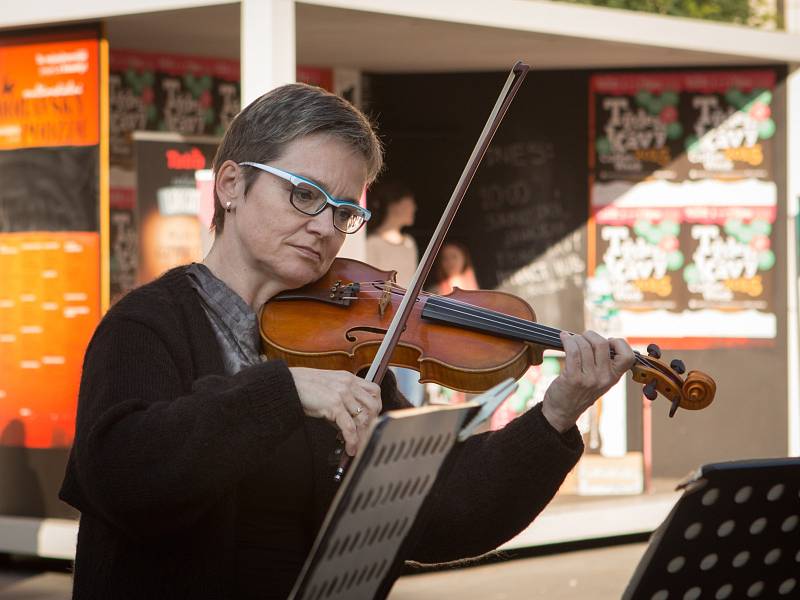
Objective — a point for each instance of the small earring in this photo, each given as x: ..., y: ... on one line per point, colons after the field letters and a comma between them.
x: 228, y: 206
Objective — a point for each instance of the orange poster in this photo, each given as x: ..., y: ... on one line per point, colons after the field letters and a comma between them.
x: 49, y: 91
x: 49, y: 306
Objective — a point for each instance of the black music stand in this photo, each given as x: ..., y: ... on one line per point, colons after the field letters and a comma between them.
x: 735, y: 533
x: 378, y: 501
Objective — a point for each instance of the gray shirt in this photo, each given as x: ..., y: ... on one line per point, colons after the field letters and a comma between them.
x: 235, y: 324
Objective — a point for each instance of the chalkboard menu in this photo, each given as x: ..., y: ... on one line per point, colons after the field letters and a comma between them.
x: 524, y: 216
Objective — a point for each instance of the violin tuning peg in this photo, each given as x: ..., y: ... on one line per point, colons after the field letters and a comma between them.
x: 678, y: 366
x: 650, y: 392
x: 674, y: 407
x: 653, y: 350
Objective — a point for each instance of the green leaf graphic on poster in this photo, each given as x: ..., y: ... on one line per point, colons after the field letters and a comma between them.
x: 643, y: 98
x: 735, y: 97
x: 675, y: 260
x: 766, y: 260
x: 656, y: 234
x: 642, y: 228
x: 691, y: 143
x: 524, y: 392
x: 132, y: 79
x: 674, y: 131
x: 757, y: 96
x: 670, y: 227
x: 551, y: 366
x: 193, y: 84
x: 654, y: 106
x: 152, y: 113
x: 603, y: 146
x: 691, y: 274
x: 766, y: 129
x: 205, y: 82
x: 745, y: 234
x: 669, y: 98
x: 732, y: 227
x: 761, y: 226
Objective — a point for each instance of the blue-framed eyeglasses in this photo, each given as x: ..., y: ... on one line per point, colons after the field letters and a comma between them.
x: 310, y: 199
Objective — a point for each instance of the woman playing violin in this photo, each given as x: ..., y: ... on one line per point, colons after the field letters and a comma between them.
x: 202, y: 470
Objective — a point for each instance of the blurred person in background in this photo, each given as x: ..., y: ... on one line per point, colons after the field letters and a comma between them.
x: 452, y: 269
x: 391, y: 249
x: 388, y: 246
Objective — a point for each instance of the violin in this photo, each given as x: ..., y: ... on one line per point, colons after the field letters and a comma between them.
x: 466, y: 340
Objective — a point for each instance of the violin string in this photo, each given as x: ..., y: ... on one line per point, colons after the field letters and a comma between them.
x: 507, y: 323
x: 547, y: 335
x: 550, y: 333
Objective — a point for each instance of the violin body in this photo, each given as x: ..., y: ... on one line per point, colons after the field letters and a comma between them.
x: 335, y: 323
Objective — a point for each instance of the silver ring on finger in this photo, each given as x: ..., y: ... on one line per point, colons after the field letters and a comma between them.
x: 358, y: 411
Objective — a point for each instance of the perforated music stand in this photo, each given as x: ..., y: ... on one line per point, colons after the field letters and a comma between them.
x: 378, y: 502
x: 382, y: 492
x: 735, y: 533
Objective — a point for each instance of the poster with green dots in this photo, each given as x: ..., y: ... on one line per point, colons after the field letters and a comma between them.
x: 684, y: 203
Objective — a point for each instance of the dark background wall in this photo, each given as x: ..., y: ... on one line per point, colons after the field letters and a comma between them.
x: 531, y: 195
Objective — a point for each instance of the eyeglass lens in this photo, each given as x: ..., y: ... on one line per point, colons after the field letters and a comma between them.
x: 311, y: 201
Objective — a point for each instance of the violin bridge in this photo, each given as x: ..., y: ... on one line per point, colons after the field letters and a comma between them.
x: 386, y: 298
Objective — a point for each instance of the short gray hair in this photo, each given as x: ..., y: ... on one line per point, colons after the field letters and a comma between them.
x: 263, y: 129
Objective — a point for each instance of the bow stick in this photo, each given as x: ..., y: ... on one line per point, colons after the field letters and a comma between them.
x: 380, y: 363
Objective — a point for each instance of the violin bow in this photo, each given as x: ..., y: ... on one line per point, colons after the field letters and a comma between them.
x: 380, y: 363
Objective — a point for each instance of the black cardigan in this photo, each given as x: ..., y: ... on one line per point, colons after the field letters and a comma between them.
x: 163, y: 438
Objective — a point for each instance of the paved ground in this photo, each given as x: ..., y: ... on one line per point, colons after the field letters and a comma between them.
x: 599, y: 574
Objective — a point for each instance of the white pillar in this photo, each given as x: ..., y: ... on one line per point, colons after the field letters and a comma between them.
x: 793, y: 197
x: 792, y: 24
x: 347, y: 83
x: 791, y: 17
x: 267, y: 46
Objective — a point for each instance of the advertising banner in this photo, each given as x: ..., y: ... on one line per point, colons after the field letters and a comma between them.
x: 49, y: 308
x: 683, y: 205
x: 170, y: 93
x: 49, y: 232
x: 170, y: 215
x: 50, y: 90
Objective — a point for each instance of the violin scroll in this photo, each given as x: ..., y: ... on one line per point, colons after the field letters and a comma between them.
x: 693, y: 392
